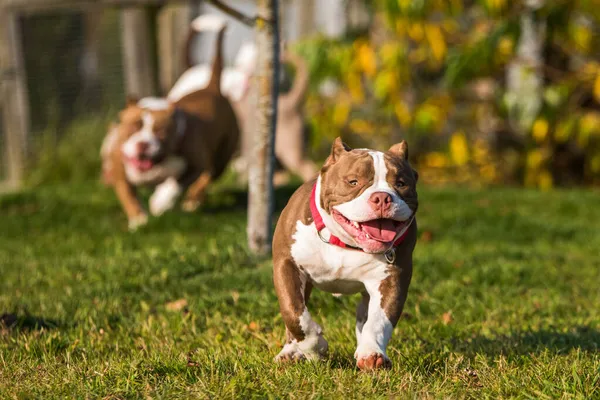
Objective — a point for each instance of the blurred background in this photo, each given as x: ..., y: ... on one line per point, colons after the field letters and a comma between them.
x: 487, y: 92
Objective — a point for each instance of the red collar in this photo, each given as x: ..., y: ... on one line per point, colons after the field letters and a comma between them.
x: 336, y: 241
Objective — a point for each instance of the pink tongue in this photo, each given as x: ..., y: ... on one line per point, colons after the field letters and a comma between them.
x: 144, y: 165
x: 382, y: 230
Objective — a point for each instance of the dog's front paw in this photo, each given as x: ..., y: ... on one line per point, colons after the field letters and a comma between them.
x: 372, y: 361
x: 189, y: 205
x: 289, y: 354
x: 164, y: 196
x: 137, y: 221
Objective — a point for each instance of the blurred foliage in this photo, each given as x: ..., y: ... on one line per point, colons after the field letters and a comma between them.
x: 435, y: 72
x: 73, y: 158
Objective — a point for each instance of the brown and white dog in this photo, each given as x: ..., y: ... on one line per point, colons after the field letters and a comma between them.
x: 179, y: 145
x: 235, y: 84
x: 353, y: 230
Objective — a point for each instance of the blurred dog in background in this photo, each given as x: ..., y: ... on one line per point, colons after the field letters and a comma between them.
x: 291, y: 129
x: 178, y: 144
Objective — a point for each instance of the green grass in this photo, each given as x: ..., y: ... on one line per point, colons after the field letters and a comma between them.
x: 517, y: 271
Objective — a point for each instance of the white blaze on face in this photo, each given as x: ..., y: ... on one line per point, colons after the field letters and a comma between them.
x: 146, y: 134
x: 359, y: 210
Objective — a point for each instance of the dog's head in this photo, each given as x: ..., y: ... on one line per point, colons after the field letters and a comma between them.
x: 148, y: 133
x: 368, y: 198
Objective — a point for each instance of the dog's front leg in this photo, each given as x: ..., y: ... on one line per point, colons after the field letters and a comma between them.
x: 385, y: 302
x: 304, y: 336
x: 127, y: 196
x: 196, y: 192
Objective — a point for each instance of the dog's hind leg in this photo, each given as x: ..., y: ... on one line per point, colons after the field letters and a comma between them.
x: 362, y: 312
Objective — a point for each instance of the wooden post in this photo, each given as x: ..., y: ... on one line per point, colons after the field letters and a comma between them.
x: 137, y: 50
x: 304, y: 18
x: 173, y: 26
x: 265, y: 93
x: 15, y: 105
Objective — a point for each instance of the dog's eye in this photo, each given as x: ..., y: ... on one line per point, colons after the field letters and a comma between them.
x: 353, y: 182
x: 400, y: 183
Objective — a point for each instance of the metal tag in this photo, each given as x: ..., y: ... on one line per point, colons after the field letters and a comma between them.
x: 390, y: 255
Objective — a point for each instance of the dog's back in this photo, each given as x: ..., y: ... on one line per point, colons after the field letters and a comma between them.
x: 216, y: 129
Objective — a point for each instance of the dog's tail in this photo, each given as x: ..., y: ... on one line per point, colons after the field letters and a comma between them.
x: 217, y: 66
x: 298, y: 91
x: 205, y: 23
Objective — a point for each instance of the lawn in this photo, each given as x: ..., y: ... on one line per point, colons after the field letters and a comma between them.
x: 504, y: 302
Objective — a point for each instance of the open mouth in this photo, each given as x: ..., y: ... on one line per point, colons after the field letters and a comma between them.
x: 383, y: 230
x: 141, y: 164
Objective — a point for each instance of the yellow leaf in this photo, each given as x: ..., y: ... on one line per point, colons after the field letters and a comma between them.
x: 545, y: 180
x: 588, y: 125
x: 385, y: 84
x: 540, y: 130
x: 590, y: 70
x: 535, y: 158
x: 340, y: 113
x: 436, y: 41
x: 355, y: 86
x: 415, y: 31
x: 404, y: 4
x: 403, y: 114
x: 362, y: 126
x: 401, y: 27
x: 367, y: 59
x: 459, y: 148
x: 582, y: 36
x: 597, y: 88
x: 389, y: 52
x: 505, y: 47
x: 488, y: 172
x: 436, y: 159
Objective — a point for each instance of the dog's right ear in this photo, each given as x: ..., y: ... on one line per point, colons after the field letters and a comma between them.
x: 131, y: 100
x: 337, y: 150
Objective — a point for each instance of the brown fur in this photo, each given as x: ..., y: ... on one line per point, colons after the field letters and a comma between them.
x: 290, y: 135
x: 210, y: 138
x: 344, y: 164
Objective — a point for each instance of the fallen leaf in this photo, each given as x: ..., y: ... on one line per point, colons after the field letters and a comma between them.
x: 177, y: 305
x: 426, y: 236
x: 447, y: 317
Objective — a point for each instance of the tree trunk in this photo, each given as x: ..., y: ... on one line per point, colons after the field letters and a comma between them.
x: 138, y: 52
x: 524, y: 74
x: 264, y: 95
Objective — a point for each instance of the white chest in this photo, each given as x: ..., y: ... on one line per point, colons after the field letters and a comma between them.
x: 333, y: 268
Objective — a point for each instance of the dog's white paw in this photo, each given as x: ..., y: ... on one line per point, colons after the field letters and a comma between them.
x: 164, y: 196
x: 312, y: 348
x: 137, y: 221
x: 290, y: 353
x: 190, y: 205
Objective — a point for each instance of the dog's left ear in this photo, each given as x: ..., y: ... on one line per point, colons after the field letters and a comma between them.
x: 400, y: 150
